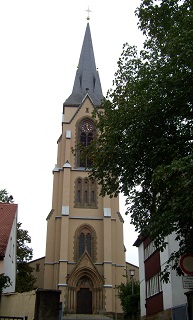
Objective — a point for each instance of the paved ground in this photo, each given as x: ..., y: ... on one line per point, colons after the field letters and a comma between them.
x: 86, y: 317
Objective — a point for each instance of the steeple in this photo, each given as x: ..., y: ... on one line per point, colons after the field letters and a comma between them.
x: 87, y: 79
x: 84, y: 247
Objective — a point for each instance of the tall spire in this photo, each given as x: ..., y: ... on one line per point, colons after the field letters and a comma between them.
x: 87, y: 79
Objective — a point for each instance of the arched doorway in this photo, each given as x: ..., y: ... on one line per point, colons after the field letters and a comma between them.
x: 84, y: 296
x: 85, y: 288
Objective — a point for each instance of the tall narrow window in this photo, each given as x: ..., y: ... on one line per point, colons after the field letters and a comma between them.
x: 86, y: 192
x: 93, y: 192
x: 92, y: 196
x: 85, y: 136
x: 79, y: 191
x: 88, y: 243
x: 78, y: 196
x: 81, y: 244
x: 83, y: 143
x: 85, y: 196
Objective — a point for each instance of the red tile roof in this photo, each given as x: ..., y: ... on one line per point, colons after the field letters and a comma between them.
x: 7, y: 215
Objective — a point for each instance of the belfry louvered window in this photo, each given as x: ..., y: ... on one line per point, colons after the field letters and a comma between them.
x: 85, y: 193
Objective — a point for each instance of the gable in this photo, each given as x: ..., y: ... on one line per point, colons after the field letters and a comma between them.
x: 86, y: 107
x: 85, y: 267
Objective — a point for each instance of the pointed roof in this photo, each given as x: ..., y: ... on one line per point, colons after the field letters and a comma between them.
x: 87, y: 79
x: 7, y: 216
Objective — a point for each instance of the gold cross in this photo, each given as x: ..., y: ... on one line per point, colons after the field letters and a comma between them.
x: 88, y: 11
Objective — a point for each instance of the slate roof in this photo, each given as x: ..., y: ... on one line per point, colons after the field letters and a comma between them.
x: 7, y: 215
x: 87, y: 79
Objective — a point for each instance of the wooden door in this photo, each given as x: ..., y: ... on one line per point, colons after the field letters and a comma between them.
x: 84, y: 301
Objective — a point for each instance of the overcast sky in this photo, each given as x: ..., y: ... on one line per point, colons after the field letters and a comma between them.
x: 40, y: 44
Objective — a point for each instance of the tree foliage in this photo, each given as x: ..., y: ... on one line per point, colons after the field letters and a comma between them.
x: 24, y: 253
x: 144, y: 147
x: 129, y: 295
x: 5, y: 197
x: 4, y: 282
x: 25, y: 280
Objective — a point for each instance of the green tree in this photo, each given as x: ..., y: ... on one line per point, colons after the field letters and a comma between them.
x: 129, y: 295
x: 5, y: 197
x: 144, y: 147
x: 4, y: 282
x: 25, y: 280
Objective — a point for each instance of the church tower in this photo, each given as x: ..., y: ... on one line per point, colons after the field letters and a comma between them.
x: 85, y: 256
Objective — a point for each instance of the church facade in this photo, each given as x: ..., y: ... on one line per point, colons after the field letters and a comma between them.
x: 85, y: 254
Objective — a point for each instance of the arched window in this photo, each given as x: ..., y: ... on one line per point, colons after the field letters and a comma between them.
x: 85, y: 241
x: 85, y: 193
x: 86, y: 132
x: 81, y: 244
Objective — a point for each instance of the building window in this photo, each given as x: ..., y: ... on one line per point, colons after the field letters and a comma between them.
x: 37, y: 267
x: 88, y: 243
x: 149, y: 250
x: 81, y: 244
x: 85, y: 134
x: 78, y: 191
x: 153, y: 286
x: 85, y: 241
x: 85, y: 193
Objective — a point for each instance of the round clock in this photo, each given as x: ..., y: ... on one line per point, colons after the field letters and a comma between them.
x: 87, y: 126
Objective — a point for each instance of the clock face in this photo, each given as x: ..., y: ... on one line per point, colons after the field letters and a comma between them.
x: 87, y: 126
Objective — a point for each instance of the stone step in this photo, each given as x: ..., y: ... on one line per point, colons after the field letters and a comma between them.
x: 86, y: 317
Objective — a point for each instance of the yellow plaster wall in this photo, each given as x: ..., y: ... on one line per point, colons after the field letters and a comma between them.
x: 38, y: 272
x: 129, y: 267
x: 61, y: 229
x: 18, y: 304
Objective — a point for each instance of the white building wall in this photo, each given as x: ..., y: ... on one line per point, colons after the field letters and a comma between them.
x: 9, y: 261
x: 142, y: 279
x: 173, y: 292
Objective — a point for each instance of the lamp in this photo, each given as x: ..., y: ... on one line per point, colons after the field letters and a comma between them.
x: 132, y: 273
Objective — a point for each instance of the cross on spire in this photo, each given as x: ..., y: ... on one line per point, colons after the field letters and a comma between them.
x: 88, y: 11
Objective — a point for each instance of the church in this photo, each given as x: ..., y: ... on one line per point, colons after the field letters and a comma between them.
x: 85, y: 253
